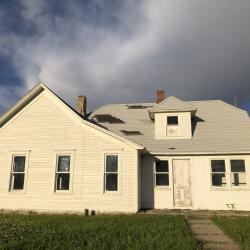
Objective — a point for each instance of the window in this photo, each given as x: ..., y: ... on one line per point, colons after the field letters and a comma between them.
x: 218, y: 173
x: 173, y: 128
x: 111, y: 172
x: 238, y: 173
x: 172, y: 120
x: 161, y: 173
x: 18, y: 173
x: 62, y: 173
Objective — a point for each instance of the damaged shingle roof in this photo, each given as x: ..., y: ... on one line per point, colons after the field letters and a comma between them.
x: 217, y: 127
x: 103, y: 118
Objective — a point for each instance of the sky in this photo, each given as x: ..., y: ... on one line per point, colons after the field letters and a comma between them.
x: 122, y: 51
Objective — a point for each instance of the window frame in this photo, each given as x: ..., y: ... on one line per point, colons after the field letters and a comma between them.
x: 57, y: 155
x: 229, y: 186
x: 118, y: 172
x: 163, y: 173
x: 231, y: 172
x: 177, y: 126
x: 178, y: 123
x: 212, y: 173
x: 13, y: 155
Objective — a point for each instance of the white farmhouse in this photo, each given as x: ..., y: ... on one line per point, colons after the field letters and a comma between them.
x: 171, y: 154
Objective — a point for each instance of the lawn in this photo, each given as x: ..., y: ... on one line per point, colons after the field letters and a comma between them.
x: 238, y: 228
x: 98, y: 232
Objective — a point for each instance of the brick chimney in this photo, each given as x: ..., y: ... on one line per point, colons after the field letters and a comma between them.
x: 81, y: 105
x: 160, y: 95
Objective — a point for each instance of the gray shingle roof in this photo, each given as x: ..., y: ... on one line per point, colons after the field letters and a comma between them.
x: 217, y: 127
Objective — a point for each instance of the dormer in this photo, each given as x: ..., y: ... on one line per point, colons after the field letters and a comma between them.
x: 172, y: 118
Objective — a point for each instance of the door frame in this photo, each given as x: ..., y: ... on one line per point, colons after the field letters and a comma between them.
x: 191, y: 187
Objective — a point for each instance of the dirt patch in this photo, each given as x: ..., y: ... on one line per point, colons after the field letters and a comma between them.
x: 197, y: 213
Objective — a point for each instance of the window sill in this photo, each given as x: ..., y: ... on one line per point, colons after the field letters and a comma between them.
x: 62, y: 192
x: 112, y: 193
x: 162, y: 188
x: 230, y: 189
x: 16, y: 191
x: 220, y: 189
x: 240, y: 189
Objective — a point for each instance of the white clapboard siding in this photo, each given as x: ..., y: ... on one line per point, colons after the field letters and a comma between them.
x: 43, y: 129
x: 204, y: 196
x: 183, y: 130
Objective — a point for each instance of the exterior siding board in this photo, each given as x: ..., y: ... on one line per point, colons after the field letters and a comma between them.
x: 153, y: 197
x: 184, y: 125
x: 45, y: 128
x: 204, y: 196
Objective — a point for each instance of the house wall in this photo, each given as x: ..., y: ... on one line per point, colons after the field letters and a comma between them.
x: 139, y: 180
x: 153, y: 197
x: 204, y: 196
x: 185, y: 131
x: 45, y: 128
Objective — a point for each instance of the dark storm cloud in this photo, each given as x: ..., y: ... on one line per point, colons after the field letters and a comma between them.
x: 122, y: 51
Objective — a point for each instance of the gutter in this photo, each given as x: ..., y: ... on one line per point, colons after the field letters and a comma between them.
x: 200, y: 153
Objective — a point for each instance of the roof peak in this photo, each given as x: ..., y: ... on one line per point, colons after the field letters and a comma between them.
x: 172, y: 104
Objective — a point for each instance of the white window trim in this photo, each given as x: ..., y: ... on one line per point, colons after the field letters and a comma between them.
x: 70, y: 153
x: 177, y: 120
x: 229, y: 186
x: 211, y: 174
x: 14, y: 154
x: 119, y: 177
x: 173, y: 126
x: 154, y: 176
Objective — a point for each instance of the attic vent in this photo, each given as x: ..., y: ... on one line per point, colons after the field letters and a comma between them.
x: 127, y: 132
x: 138, y: 106
x: 108, y: 118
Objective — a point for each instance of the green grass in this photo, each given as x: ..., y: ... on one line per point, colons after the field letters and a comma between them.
x: 237, y: 228
x: 99, y: 232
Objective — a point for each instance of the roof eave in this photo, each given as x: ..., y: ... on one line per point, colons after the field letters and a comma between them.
x: 37, y: 89
x: 153, y: 112
x: 40, y: 87
x: 200, y: 153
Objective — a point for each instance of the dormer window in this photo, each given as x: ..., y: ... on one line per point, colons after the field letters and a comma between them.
x: 172, y: 120
x: 173, y: 128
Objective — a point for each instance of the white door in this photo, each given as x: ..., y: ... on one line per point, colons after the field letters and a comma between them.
x: 182, y: 183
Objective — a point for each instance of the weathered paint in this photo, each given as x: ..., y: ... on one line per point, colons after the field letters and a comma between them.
x: 45, y: 128
x: 184, y: 130
x: 204, y: 196
x: 182, y: 183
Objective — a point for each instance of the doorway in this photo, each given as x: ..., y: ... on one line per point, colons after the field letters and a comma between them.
x: 182, y: 183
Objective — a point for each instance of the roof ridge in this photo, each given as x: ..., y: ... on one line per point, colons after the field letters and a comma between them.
x: 232, y: 106
x: 174, y: 98
x: 177, y: 99
x: 208, y: 100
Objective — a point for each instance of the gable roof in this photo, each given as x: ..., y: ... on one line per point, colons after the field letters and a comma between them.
x: 218, y: 128
x: 21, y: 103
x: 36, y: 91
x: 171, y: 104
